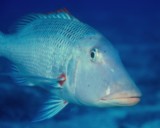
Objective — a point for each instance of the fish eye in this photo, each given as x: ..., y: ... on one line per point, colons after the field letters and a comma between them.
x: 94, y: 54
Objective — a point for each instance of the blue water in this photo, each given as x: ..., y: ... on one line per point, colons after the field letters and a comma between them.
x: 132, y: 27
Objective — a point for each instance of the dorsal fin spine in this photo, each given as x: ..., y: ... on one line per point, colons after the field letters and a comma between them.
x: 63, y: 10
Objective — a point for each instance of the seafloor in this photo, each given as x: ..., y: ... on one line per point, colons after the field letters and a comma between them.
x: 133, y: 28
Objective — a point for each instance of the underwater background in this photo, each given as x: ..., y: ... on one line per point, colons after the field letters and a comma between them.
x: 133, y: 27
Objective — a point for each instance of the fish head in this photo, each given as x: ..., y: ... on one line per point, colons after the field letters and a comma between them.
x: 101, y: 79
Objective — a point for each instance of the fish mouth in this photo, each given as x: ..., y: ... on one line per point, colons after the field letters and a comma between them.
x: 121, y: 101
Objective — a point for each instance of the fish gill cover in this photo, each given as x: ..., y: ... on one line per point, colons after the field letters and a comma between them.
x: 132, y: 27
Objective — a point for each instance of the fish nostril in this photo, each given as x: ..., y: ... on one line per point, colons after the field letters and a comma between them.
x: 88, y: 85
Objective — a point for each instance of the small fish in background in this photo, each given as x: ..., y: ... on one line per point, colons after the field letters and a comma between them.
x: 70, y: 59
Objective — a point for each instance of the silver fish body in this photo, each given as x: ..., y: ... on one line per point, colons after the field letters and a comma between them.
x: 80, y: 65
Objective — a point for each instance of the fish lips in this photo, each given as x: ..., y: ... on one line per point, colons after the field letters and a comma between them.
x: 125, y: 101
x: 119, y: 100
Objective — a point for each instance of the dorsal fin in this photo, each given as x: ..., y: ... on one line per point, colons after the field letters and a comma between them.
x: 64, y: 10
x: 60, y: 14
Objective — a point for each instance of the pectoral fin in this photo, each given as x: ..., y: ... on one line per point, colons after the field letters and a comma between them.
x: 36, y: 80
x: 51, y: 108
x: 26, y: 80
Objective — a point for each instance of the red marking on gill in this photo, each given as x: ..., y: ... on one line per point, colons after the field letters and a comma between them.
x: 62, y: 79
x: 65, y: 102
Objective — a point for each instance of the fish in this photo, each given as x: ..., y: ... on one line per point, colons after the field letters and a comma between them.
x: 70, y: 59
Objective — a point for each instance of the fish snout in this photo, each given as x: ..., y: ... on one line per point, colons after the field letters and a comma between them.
x: 121, y: 95
x: 122, y: 99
